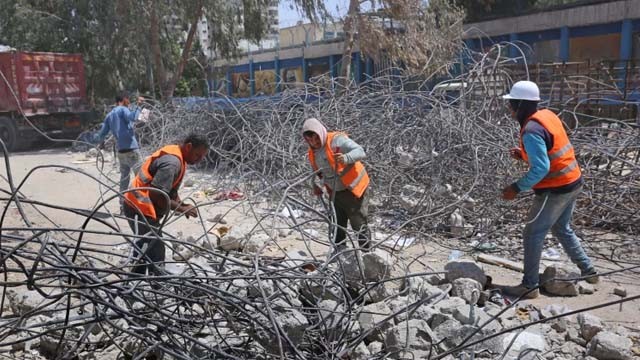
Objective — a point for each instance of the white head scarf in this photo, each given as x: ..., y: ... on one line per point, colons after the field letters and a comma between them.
x: 313, y: 124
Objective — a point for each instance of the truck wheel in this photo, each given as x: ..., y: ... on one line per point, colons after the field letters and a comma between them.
x: 8, y: 133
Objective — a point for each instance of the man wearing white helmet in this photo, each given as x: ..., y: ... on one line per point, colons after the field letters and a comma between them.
x: 555, y: 177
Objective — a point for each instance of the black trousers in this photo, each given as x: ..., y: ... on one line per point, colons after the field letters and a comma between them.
x: 355, y: 210
x: 150, y: 259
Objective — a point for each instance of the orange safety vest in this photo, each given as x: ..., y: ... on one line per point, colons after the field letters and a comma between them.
x: 564, y: 168
x: 140, y: 198
x: 353, y: 176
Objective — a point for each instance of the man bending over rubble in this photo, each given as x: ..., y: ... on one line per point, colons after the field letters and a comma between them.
x: 338, y: 160
x: 555, y: 177
x: 154, y: 192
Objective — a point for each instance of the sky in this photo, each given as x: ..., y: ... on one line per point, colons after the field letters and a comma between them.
x: 289, y: 16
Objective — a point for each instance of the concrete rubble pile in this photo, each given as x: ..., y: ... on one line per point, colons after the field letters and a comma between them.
x: 241, y: 305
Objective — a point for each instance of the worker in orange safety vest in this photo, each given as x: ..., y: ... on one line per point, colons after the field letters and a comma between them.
x: 154, y: 192
x: 337, y: 161
x: 555, y: 177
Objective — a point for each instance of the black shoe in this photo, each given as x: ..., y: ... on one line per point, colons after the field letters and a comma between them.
x: 521, y: 291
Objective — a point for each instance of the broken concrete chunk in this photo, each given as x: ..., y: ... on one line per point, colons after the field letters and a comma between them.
x: 315, y: 287
x: 526, y: 340
x: 255, y: 243
x: 420, y: 288
x: 476, y: 317
x: 377, y: 293
x: 554, y: 310
x: 585, y: 288
x: 377, y: 265
x: 375, y: 347
x: 465, y: 269
x: 573, y: 335
x: 371, y: 320
x: 467, y: 289
x: 452, y: 333
x: 21, y: 344
x: 255, y: 288
x: 24, y: 301
x: 426, y: 313
x: 571, y: 349
x: 230, y: 243
x: 551, y: 282
x: 609, y: 346
x: 412, y: 334
x: 560, y: 325
x: 590, y: 325
x: 331, y: 315
x: 398, y: 305
x: 466, y: 315
x: 351, y: 266
x: 291, y: 321
x: 361, y: 352
x: 234, y: 237
x: 448, y: 306
x: 620, y: 291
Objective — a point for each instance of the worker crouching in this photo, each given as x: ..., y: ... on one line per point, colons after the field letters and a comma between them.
x: 154, y: 192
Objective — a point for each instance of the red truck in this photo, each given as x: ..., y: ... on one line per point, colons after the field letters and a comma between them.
x: 49, y: 89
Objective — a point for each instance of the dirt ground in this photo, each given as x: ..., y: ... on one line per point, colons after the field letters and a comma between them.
x: 68, y: 188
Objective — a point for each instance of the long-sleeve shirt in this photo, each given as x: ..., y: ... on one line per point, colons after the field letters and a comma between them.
x: 539, y: 164
x: 340, y: 144
x: 120, y: 122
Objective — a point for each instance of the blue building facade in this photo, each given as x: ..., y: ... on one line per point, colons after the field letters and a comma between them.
x: 605, y: 31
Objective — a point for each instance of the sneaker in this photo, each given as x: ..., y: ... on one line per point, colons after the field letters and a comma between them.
x: 521, y: 291
x: 593, y: 276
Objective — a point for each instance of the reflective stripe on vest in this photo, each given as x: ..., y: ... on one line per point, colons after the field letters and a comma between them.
x: 353, y: 176
x: 563, y: 169
x: 140, y: 198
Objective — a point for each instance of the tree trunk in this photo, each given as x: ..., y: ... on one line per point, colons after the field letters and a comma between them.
x: 185, y: 51
x: 154, y: 33
x: 349, y: 35
x: 149, y: 68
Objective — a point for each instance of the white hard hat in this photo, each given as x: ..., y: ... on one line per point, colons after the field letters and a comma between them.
x: 524, y: 90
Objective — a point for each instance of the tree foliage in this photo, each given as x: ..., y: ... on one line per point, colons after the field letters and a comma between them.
x: 135, y: 44
x: 421, y: 37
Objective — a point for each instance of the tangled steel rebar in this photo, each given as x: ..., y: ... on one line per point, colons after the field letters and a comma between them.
x: 68, y: 291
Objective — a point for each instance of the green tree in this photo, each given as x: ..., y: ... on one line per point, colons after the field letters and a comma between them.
x: 144, y: 44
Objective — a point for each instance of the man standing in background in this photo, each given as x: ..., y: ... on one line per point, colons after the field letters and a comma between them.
x: 120, y: 122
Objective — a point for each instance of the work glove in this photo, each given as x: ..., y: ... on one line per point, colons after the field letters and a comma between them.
x: 509, y: 192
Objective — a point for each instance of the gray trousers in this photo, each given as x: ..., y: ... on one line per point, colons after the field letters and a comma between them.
x: 129, y: 161
x: 355, y: 210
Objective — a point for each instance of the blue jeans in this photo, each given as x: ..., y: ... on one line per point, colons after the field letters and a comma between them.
x: 555, y: 213
x: 129, y: 161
